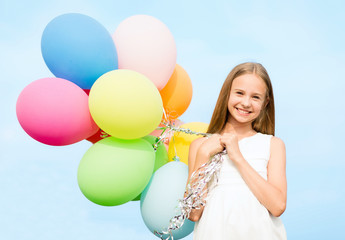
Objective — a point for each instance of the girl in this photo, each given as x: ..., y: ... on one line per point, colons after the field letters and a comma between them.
x: 250, y: 194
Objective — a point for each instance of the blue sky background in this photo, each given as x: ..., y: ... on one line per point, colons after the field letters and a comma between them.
x: 301, y: 43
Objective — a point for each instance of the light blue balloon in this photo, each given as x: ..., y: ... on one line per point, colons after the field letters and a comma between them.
x: 78, y: 48
x: 159, y: 200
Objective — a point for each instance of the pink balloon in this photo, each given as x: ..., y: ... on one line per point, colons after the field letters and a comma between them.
x: 145, y: 44
x: 55, y: 111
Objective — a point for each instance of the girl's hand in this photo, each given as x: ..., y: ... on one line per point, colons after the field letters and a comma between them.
x: 229, y: 141
x: 211, y: 145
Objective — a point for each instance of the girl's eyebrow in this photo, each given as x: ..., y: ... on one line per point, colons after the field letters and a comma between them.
x: 238, y: 89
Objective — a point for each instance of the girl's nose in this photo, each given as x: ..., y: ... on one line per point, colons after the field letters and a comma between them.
x: 246, y: 102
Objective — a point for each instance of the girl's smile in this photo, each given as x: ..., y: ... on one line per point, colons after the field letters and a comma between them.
x: 243, y: 112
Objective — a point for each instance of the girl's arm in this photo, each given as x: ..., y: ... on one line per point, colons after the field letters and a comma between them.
x: 200, y: 152
x: 273, y: 192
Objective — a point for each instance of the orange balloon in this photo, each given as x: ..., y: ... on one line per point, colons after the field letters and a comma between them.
x: 177, y: 93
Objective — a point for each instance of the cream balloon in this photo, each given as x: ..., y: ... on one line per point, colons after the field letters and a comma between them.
x: 146, y: 45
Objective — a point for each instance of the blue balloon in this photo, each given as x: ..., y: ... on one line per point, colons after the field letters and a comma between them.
x: 159, y: 200
x: 78, y: 48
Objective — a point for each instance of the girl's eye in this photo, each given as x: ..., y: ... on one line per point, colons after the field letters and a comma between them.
x: 256, y: 97
x: 240, y: 93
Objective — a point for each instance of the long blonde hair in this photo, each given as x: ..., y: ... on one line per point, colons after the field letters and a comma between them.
x: 264, y: 123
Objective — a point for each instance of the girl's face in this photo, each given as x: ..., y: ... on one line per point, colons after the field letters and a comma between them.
x: 247, y: 98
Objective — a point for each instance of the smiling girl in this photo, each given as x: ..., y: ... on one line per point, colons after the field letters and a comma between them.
x: 251, y: 191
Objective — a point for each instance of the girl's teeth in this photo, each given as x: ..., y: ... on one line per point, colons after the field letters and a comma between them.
x: 242, y: 111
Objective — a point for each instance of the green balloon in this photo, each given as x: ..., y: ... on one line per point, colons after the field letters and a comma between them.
x: 114, y: 171
x: 161, y: 156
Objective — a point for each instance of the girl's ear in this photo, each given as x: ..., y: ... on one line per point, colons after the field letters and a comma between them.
x: 267, y: 101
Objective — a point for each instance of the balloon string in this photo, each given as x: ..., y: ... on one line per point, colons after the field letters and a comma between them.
x: 165, y: 118
x: 175, y: 158
x: 171, y: 128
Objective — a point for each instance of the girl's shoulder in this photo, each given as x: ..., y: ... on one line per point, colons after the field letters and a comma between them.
x: 277, y: 142
x: 197, y: 142
x: 274, y: 141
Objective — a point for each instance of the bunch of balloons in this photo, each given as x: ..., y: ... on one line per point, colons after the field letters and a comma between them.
x: 112, y: 90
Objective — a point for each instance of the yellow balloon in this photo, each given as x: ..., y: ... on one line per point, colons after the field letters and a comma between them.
x: 179, y: 143
x: 125, y: 104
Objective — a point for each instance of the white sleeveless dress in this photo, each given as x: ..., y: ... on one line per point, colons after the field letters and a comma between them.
x: 232, y: 212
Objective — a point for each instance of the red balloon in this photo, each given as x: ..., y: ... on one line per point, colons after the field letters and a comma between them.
x: 99, y: 135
